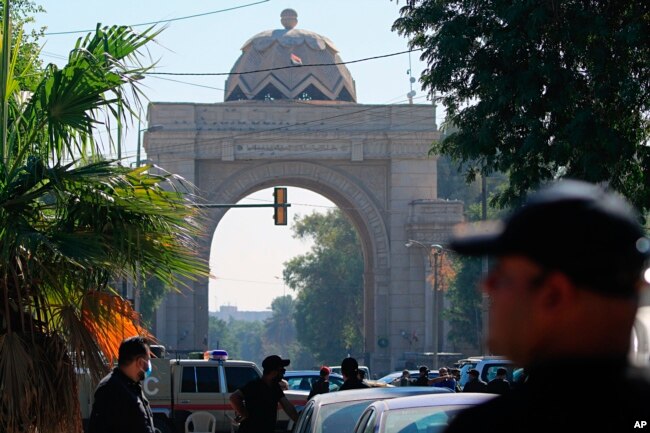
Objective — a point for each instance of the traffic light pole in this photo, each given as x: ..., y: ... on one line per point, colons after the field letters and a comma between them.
x: 212, y: 205
x: 279, y: 204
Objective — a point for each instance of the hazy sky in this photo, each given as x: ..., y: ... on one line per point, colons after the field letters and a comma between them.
x: 248, y: 250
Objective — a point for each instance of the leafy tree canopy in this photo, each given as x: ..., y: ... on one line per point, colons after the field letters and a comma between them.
x: 540, y: 89
x: 329, y: 282
x: 28, y: 64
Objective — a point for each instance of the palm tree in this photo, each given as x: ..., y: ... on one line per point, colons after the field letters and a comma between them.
x: 71, y: 223
x: 280, y: 328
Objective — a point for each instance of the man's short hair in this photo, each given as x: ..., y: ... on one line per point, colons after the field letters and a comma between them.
x: 131, y: 349
x: 591, y: 235
x: 501, y: 371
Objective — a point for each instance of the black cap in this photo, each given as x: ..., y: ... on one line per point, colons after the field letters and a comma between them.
x: 274, y: 362
x: 349, y: 366
x: 424, y: 369
x: 593, y: 236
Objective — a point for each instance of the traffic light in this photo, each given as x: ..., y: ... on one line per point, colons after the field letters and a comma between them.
x: 280, y: 208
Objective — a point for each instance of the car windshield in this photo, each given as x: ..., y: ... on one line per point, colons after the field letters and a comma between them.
x: 340, y: 417
x: 432, y: 419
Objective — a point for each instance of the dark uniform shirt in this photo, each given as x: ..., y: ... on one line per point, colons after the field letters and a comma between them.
x: 475, y: 385
x: 498, y: 386
x: 120, y: 406
x: 261, y: 402
x: 320, y: 387
x: 544, y: 403
x: 353, y: 383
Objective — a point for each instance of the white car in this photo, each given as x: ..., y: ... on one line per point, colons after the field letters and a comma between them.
x: 338, y: 412
x: 422, y: 413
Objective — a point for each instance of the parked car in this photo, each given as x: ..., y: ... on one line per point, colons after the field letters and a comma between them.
x: 416, y: 414
x: 304, y: 379
x: 338, y: 412
x: 393, y: 378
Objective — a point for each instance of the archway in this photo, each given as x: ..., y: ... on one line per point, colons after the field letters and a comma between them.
x: 376, y: 167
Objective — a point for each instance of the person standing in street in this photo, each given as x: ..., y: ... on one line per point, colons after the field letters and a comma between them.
x: 405, y: 378
x: 423, y: 378
x: 256, y: 403
x: 120, y: 405
x: 500, y: 384
x: 350, y: 372
x: 564, y: 284
x: 322, y: 385
x: 474, y: 382
x: 444, y: 380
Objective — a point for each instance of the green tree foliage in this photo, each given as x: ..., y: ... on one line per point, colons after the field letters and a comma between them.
x: 151, y: 295
x: 540, y: 89
x: 280, y: 328
x: 71, y: 223
x: 464, y: 311
x: 329, y: 283
x: 22, y: 13
x: 221, y: 336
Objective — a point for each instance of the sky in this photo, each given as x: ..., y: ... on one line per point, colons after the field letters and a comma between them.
x: 206, y: 36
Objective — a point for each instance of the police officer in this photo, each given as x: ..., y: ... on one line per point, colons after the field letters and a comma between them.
x: 564, y: 289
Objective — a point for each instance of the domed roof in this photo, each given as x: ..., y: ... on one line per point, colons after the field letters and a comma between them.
x: 282, y: 58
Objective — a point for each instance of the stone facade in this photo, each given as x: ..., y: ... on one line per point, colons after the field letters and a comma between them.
x: 371, y: 160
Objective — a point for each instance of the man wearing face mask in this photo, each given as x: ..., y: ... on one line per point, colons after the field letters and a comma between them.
x: 256, y: 402
x: 120, y: 406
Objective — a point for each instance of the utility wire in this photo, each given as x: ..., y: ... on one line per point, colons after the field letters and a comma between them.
x: 282, y: 67
x: 165, y: 21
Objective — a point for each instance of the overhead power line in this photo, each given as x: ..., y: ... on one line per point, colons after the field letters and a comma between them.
x: 165, y: 21
x: 365, y: 59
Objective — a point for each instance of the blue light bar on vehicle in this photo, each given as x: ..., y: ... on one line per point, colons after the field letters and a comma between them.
x: 215, y: 355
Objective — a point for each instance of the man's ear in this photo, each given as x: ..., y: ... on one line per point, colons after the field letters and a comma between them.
x: 557, y: 294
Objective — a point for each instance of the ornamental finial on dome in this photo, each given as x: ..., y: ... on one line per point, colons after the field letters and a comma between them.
x: 289, y: 18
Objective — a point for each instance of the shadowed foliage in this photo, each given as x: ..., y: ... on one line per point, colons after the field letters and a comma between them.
x: 540, y: 89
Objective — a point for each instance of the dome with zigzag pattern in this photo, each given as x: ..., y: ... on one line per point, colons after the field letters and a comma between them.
x: 289, y: 63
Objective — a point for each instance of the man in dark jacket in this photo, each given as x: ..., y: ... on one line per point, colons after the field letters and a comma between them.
x: 474, y: 383
x: 500, y: 384
x: 322, y: 385
x: 350, y: 372
x: 120, y: 406
x: 564, y: 289
x: 256, y: 403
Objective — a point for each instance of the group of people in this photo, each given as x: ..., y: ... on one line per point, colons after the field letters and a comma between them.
x: 448, y: 378
x: 567, y: 271
x: 256, y: 402
x: 498, y: 385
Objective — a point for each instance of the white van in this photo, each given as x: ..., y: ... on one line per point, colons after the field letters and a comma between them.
x: 487, y: 367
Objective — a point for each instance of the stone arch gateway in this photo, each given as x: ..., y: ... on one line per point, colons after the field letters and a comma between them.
x: 371, y: 160
x: 291, y: 118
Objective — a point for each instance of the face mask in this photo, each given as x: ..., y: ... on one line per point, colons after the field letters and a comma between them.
x: 146, y: 373
x: 149, y: 369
